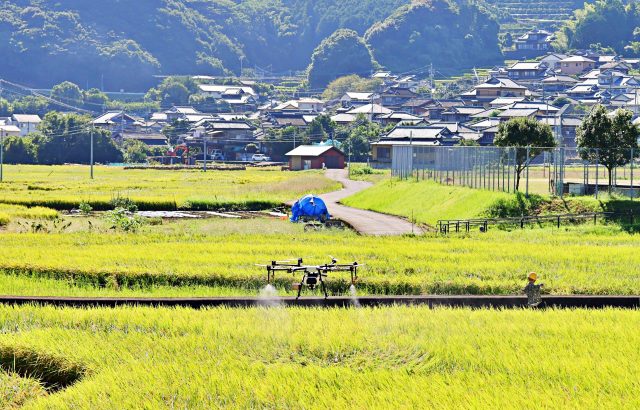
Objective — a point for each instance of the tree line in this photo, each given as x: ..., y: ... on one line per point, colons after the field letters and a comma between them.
x: 66, y: 138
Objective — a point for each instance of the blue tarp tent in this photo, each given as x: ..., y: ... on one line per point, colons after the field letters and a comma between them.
x: 310, y: 206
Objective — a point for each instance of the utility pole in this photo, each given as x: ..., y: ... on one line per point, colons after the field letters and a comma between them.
x: 91, y: 151
x: 204, y: 141
x: 1, y: 153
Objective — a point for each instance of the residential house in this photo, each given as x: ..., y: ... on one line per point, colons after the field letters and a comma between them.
x: 493, y: 88
x: 224, y: 91
x: 535, y: 40
x: 504, y: 101
x: 582, y: 92
x: 487, y: 130
x: 564, y: 128
x: 395, y: 97
x: 370, y: 111
x: 431, y: 135
x: 395, y: 118
x: 155, y: 139
x: 558, y: 83
x: 353, y: 99
x: 9, y: 130
x: 460, y: 114
x: 417, y: 106
x: 27, y: 123
x: 576, y: 64
x: 553, y: 60
x: 118, y: 121
x: 302, y: 105
x: 619, y: 66
x: 229, y: 137
x: 435, y: 110
x: 343, y: 118
x: 180, y: 113
x: 527, y: 70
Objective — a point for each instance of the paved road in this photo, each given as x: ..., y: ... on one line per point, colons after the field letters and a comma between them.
x: 365, y: 222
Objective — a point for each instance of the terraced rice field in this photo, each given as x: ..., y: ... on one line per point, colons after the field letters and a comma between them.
x: 316, y: 359
x: 517, y: 16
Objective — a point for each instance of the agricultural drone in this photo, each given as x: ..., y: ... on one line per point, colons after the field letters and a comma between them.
x: 312, y: 275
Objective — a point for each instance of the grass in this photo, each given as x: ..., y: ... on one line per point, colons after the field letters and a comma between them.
x: 398, y: 357
x: 426, y: 201
x: 64, y: 187
x: 183, y: 259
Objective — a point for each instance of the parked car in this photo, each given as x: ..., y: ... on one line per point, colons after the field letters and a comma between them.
x: 260, y: 158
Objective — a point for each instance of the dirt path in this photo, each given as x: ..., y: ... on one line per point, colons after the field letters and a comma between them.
x: 365, y: 222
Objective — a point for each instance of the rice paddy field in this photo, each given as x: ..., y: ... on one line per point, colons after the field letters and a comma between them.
x: 398, y: 357
x: 64, y: 187
x: 299, y: 358
x: 219, y: 258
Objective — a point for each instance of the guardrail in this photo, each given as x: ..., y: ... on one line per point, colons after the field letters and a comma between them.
x: 466, y: 225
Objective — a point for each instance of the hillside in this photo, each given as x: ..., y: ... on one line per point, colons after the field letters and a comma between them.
x: 435, y: 32
x: 518, y: 16
x: 122, y: 44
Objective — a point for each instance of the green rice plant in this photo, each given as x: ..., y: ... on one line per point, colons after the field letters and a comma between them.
x: 398, y: 357
x: 4, y: 219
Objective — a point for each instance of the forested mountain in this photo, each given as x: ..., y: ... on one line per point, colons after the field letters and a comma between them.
x: 435, y: 32
x: 124, y: 42
x: 604, y: 24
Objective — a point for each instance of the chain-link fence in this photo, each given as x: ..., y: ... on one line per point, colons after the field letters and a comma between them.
x: 558, y: 171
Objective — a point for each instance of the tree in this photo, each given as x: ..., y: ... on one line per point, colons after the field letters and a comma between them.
x: 95, y: 99
x: 31, y: 104
x: 468, y: 143
x: 354, y: 83
x: 175, y: 130
x: 528, y: 136
x: 451, y: 35
x: 320, y: 128
x: 6, y: 110
x: 561, y: 102
x: 67, y: 139
x: 173, y: 91
x: 135, y: 152
x: 19, y: 150
x: 360, y: 138
x: 68, y: 93
x: 342, y: 53
x: 608, y: 139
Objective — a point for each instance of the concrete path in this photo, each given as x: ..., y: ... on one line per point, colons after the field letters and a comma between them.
x: 365, y: 222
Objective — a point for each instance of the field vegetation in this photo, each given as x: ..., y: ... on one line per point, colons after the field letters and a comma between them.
x: 428, y: 201
x: 309, y: 358
x: 64, y: 187
x: 183, y: 259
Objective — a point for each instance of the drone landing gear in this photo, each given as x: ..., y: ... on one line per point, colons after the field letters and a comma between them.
x: 311, y: 280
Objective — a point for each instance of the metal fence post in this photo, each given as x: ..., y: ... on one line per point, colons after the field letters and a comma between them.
x: 597, y: 170
x: 632, y: 192
x: 527, y: 165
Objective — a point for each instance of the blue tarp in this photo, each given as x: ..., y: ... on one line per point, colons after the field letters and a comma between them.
x: 310, y: 206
